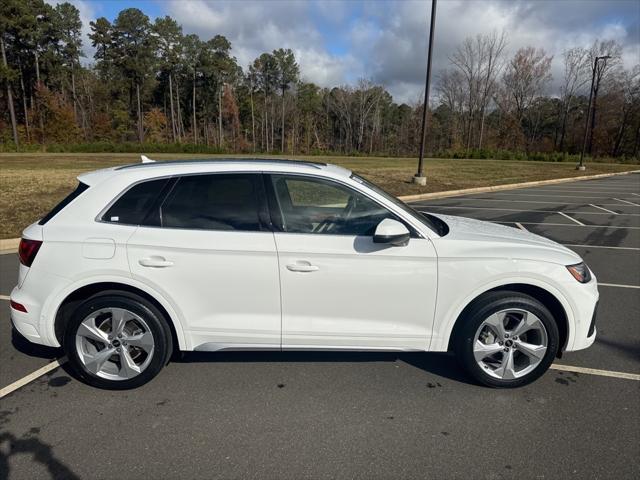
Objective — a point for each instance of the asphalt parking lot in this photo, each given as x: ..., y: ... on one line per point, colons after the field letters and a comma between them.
x: 358, y: 415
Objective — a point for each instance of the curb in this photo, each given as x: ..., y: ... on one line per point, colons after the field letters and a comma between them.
x: 10, y: 245
x: 508, y: 186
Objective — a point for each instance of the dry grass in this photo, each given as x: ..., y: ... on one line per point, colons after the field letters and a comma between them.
x: 33, y: 183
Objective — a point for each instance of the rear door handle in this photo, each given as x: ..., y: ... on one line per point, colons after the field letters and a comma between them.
x: 155, y: 262
x: 302, y: 266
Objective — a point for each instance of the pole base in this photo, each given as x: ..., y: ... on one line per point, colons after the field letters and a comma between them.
x: 420, y: 180
x: 582, y: 168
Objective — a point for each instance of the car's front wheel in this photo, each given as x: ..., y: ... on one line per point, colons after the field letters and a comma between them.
x: 117, y: 341
x: 508, y: 339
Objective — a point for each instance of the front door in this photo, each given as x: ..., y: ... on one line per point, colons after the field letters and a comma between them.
x: 340, y: 289
x: 211, y: 252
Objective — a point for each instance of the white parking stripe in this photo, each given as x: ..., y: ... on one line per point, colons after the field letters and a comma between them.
x: 521, y: 227
x: 595, y: 371
x: 571, y: 218
x: 616, y: 285
x: 571, y: 225
x: 553, y: 195
x: 601, y: 246
x: 476, y: 199
x: 31, y: 377
x: 4, y: 297
x: 636, y: 194
x: 625, y: 201
x: 464, y: 207
x: 596, y: 206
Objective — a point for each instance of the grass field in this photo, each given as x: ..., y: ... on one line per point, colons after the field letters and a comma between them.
x: 32, y: 183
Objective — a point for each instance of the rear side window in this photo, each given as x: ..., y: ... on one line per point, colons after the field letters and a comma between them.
x: 214, y: 202
x: 134, y: 207
x: 66, y: 201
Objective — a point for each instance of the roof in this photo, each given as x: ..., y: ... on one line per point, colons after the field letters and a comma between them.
x: 140, y: 171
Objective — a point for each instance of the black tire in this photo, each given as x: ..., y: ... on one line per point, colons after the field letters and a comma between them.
x: 162, y: 340
x: 480, y: 310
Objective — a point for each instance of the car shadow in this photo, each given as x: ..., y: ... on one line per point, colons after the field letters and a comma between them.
x: 24, y: 346
x: 443, y: 365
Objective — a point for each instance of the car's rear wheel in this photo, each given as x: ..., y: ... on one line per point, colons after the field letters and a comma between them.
x: 508, y: 339
x: 117, y: 341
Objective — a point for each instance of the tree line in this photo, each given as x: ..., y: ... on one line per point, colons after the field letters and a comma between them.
x: 151, y: 83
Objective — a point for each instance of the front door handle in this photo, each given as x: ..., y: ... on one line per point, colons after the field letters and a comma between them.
x: 302, y: 266
x: 155, y: 262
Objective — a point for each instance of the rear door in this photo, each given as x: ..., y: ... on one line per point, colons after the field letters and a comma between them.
x: 208, y: 248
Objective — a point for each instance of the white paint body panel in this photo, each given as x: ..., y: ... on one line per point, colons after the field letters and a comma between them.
x: 235, y: 290
x: 362, y: 294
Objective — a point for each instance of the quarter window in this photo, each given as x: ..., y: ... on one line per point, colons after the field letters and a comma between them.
x: 313, y: 205
x: 134, y: 206
x: 214, y: 202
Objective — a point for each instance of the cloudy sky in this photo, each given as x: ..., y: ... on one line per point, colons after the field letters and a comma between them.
x: 338, y: 42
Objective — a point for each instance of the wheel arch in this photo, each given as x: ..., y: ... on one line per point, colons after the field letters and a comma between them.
x: 83, y: 292
x: 545, y: 297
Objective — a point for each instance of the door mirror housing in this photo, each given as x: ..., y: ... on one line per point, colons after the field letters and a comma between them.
x: 392, y: 232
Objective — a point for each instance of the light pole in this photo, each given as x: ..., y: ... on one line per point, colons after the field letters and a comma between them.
x: 419, y: 177
x: 581, y: 165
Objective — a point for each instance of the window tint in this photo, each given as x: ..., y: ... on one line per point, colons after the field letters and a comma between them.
x: 312, y: 205
x: 66, y: 201
x: 213, y: 202
x: 134, y: 206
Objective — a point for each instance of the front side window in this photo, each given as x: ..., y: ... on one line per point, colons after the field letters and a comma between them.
x: 214, y: 202
x: 313, y: 205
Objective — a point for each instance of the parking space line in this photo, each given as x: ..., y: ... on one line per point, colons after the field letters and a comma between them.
x: 617, y: 285
x: 595, y: 371
x: 571, y: 218
x: 525, y: 210
x: 636, y: 194
x: 570, y: 225
x: 625, y: 201
x: 5, y: 297
x: 472, y: 199
x: 550, y: 194
x: 521, y: 227
x: 602, y: 246
x: 601, y: 208
x: 31, y: 377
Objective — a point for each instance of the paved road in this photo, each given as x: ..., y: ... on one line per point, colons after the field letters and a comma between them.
x: 328, y: 415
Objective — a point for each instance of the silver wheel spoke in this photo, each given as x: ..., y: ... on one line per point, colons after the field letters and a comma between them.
x: 534, y: 352
x: 496, y: 323
x: 528, y: 322
x: 95, y: 362
x: 484, y: 350
x: 118, y: 320
x: 88, y: 329
x: 127, y: 366
x: 506, y: 370
x: 142, y: 340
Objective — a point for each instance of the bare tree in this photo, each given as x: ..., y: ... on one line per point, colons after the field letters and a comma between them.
x: 525, y: 79
x: 467, y: 59
x: 604, y: 69
x: 490, y: 47
x: 576, y: 76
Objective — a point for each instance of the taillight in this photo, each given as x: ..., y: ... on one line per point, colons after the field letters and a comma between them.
x: 28, y: 250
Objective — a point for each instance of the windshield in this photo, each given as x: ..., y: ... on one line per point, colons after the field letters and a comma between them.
x: 434, y: 223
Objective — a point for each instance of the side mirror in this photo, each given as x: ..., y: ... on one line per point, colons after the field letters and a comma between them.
x: 392, y: 232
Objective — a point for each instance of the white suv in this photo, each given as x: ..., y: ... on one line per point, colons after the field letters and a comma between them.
x: 276, y: 255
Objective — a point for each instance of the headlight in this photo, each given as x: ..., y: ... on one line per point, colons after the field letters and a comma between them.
x: 580, y: 272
